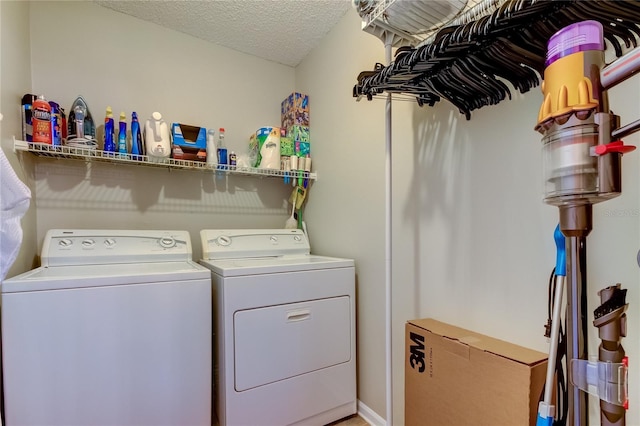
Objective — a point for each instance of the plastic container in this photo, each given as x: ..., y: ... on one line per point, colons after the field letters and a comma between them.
x: 56, y: 124
x: 157, y: 138
x: 122, y: 134
x: 109, y: 141
x: 136, y: 138
x: 569, y: 169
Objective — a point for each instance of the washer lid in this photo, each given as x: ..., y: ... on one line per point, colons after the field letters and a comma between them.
x: 274, y: 265
x: 88, y: 276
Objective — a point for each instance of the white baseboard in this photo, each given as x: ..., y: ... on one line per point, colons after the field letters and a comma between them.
x: 369, y: 415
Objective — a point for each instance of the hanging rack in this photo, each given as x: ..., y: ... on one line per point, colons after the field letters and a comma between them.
x: 468, y: 64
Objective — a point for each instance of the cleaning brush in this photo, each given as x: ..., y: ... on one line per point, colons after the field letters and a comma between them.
x: 292, y: 223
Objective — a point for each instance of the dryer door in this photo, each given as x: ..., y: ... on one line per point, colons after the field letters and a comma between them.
x: 278, y: 342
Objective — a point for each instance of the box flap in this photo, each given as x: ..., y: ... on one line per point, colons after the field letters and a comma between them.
x: 480, y: 341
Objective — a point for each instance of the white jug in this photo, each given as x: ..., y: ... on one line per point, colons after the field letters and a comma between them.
x: 157, y: 137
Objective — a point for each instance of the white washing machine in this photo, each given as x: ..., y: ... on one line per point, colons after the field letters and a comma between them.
x: 285, y: 348
x: 113, y: 329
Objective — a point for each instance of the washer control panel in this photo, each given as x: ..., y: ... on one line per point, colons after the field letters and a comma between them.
x: 81, y: 247
x: 244, y: 243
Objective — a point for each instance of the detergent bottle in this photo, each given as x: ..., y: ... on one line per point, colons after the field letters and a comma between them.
x: 109, y: 143
x: 136, y: 137
x: 122, y: 134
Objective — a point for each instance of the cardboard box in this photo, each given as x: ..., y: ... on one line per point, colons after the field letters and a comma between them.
x: 189, y: 142
x: 457, y: 377
x: 294, y: 110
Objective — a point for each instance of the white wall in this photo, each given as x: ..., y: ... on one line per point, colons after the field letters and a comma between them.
x: 345, y: 212
x: 472, y: 238
x: 15, y: 81
x: 113, y: 59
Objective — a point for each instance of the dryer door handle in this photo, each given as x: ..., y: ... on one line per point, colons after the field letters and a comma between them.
x: 298, y: 315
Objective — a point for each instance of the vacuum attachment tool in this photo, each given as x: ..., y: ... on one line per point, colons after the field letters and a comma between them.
x: 607, y: 378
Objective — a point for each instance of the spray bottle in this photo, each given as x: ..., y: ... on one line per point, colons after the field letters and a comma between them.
x: 212, y: 151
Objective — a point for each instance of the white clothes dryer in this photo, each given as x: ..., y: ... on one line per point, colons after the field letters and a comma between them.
x: 113, y: 329
x: 285, y: 348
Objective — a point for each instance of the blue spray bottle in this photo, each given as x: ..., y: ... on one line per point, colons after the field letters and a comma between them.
x: 122, y: 134
x: 109, y: 144
x: 136, y: 137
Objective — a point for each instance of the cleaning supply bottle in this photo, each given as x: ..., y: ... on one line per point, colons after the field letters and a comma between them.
x: 222, y: 150
x: 41, y: 120
x: 136, y: 137
x: 212, y: 151
x: 109, y: 144
x: 122, y: 134
x: 56, y: 123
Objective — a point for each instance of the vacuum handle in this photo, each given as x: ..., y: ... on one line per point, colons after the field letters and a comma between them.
x: 621, y: 69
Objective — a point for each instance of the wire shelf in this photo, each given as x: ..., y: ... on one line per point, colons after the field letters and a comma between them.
x: 95, y: 155
x: 413, y: 22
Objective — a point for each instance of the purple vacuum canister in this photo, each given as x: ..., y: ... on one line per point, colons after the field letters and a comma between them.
x: 579, y: 37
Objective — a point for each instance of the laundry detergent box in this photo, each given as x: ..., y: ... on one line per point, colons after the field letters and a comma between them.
x: 294, y: 110
x: 457, y: 377
x: 189, y: 142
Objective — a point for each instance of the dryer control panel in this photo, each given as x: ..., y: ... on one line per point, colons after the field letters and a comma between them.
x: 66, y: 247
x: 248, y: 243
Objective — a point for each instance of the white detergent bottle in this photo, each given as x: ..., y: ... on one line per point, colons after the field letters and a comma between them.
x: 157, y: 138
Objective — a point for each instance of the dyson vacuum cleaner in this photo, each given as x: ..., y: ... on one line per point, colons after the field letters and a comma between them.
x: 582, y: 163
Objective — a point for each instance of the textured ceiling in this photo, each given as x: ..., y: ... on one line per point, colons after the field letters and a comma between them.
x: 282, y: 31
